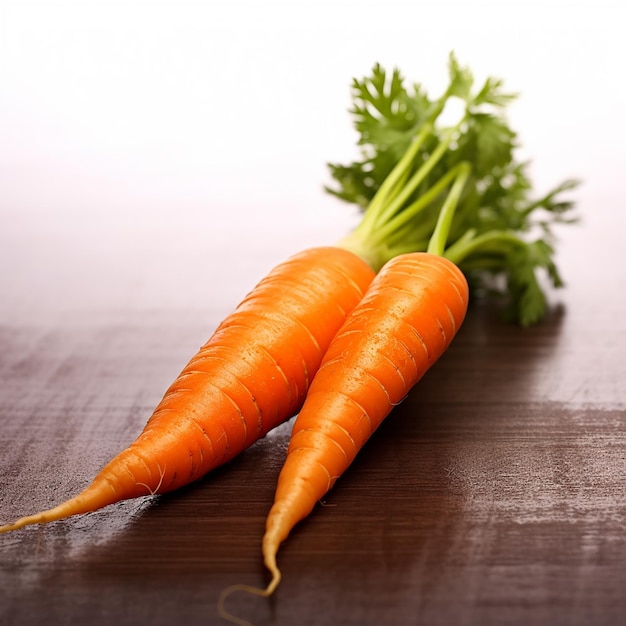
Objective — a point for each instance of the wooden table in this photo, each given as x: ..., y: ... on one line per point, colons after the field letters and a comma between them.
x: 495, y: 494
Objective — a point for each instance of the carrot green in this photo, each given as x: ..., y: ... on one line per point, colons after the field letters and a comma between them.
x: 412, y: 163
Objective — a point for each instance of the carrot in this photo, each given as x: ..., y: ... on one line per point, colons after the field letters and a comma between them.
x: 251, y: 375
x: 404, y: 323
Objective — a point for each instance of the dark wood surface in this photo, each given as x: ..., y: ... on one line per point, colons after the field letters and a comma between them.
x: 495, y: 494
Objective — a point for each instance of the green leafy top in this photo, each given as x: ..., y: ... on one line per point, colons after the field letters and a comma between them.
x: 455, y: 190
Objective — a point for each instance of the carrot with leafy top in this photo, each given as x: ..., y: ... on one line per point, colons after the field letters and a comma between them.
x: 250, y: 376
x: 468, y: 207
x: 406, y: 320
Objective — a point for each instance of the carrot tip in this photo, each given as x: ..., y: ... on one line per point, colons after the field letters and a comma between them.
x: 37, y: 518
x: 90, y: 499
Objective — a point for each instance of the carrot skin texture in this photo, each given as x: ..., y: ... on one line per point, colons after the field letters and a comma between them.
x: 403, y: 324
x: 251, y: 375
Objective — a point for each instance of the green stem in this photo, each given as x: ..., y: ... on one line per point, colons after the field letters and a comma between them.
x: 458, y: 253
x: 452, y: 251
x: 394, y: 181
x: 394, y: 207
x: 437, y: 243
x: 409, y: 213
x: 421, y: 230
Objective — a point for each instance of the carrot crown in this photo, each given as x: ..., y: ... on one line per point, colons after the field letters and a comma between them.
x: 451, y: 188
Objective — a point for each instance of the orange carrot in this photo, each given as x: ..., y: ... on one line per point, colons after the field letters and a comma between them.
x: 440, y: 203
x: 251, y: 375
x: 403, y: 324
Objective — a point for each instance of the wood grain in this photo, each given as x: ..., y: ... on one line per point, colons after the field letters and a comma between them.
x: 495, y: 494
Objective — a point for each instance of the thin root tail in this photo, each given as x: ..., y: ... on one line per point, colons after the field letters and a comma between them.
x: 95, y: 497
x: 43, y: 517
x: 257, y: 591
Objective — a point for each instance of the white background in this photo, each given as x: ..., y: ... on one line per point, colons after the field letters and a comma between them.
x: 146, y: 146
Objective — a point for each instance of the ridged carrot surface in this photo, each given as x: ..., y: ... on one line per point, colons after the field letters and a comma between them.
x: 404, y: 323
x: 251, y: 375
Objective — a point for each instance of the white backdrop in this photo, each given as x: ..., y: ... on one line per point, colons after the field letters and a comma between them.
x: 141, y: 139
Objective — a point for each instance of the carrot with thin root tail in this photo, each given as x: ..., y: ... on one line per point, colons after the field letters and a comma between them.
x: 403, y: 324
x: 250, y: 376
